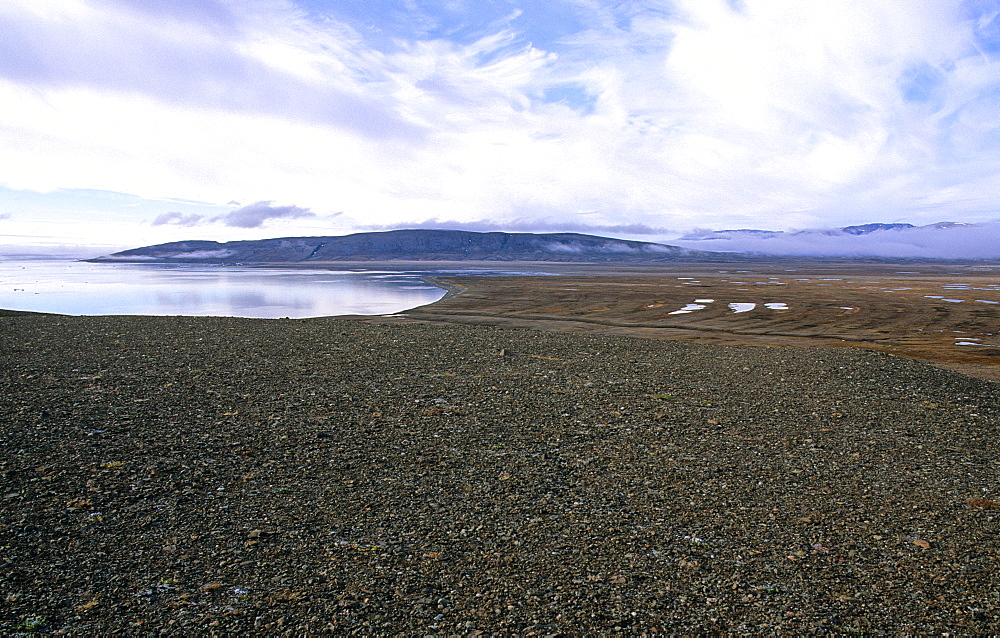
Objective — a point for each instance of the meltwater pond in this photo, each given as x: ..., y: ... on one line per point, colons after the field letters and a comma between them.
x: 80, y: 288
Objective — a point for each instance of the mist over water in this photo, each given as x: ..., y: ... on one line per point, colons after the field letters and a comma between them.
x: 78, y: 288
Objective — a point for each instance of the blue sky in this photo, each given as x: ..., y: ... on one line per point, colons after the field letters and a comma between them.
x: 129, y: 122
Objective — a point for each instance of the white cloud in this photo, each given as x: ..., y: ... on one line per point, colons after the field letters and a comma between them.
x: 775, y: 113
x: 178, y: 218
x: 258, y: 214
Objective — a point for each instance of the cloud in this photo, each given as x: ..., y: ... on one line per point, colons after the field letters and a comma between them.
x: 42, y: 251
x: 934, y: 241
x: 177, y: 218
x: 203, y: 13
x: 176, y: 54
x: 617, y: 118
x: 524, y: 225
x: 4, y: 216
x: 255, y: 215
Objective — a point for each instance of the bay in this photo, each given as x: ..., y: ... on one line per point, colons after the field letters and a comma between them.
x: 81, y: 288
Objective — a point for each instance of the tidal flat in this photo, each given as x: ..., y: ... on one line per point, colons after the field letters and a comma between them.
x: 362, y: 476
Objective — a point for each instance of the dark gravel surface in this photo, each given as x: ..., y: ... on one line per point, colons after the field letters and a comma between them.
x: 192, y: 476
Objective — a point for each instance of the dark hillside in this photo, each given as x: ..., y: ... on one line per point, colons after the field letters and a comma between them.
x: 413, y: 245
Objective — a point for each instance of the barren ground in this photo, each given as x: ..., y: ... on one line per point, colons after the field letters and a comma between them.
x: 414, y: 476
x: 946, y: 314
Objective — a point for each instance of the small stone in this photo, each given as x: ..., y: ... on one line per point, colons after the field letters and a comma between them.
x: 982, y: 502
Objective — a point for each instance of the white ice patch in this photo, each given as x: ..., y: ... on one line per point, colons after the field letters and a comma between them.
x: 691, y: 307
x: 777, y: 306
x: 742, y: 307
x: 933, y: 297
x: 987, y: 301
x: 704, y: 300
x: 954, y: 300
x: 221, y: 253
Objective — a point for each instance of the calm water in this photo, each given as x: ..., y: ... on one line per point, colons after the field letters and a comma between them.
x: 77, y: 288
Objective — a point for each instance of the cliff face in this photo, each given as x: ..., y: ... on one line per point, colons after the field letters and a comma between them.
x: 410, y: 245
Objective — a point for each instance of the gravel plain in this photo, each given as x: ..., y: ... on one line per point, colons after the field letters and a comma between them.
x: 197, y: 476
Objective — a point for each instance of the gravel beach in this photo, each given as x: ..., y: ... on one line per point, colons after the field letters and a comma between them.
x: 190, y: 476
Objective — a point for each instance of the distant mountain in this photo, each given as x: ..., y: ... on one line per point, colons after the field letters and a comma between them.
x: 742, y: 233
x: 753, y: 233
x: 411, y: 245
x: 864, y: 229
x: 943, y: 240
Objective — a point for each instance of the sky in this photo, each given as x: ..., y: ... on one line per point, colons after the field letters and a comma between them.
x: 128, y: 122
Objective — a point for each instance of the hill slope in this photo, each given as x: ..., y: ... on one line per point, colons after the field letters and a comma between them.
x: 411, y: 245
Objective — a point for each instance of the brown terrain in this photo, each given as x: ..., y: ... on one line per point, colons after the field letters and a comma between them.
x: 946, y: 314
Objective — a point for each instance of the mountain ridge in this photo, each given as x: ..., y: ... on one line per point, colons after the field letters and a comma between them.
x: 879, y: 241
x: 412, y: 245
x: 857, y: 230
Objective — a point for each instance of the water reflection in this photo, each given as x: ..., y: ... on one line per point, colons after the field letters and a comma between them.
x: 78, y: 288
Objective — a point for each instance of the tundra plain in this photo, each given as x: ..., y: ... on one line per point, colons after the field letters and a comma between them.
x: 948, y: 314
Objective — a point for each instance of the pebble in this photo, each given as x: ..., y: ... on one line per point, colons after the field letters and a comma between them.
x: 591, y: 484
